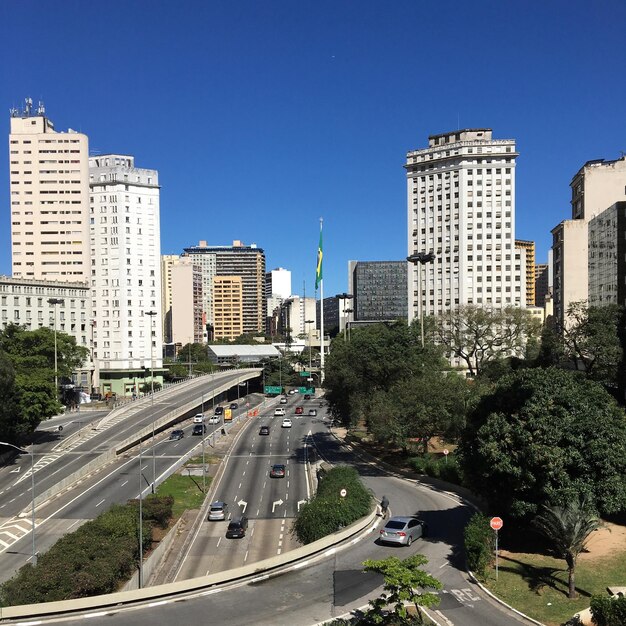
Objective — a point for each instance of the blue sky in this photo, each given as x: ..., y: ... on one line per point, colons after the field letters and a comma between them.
x: 262, y: 117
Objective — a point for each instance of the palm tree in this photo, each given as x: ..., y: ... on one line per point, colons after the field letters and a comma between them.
x: 568, y: 528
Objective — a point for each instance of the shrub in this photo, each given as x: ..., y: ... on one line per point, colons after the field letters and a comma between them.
x: 608, y: 611
x: 436, y: 467
x: 479, y: 544
x: 327, y: 512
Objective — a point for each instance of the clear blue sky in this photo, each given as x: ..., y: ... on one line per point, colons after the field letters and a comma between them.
x: 262, y: 117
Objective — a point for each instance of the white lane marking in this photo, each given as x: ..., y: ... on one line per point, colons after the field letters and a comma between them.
x: 245, y: 558
x: 218, y: 542
x: 123, y: 483
x: 158, y: 603
x: 99, y: 503
x: 73, y: 524
x: 98, y: 614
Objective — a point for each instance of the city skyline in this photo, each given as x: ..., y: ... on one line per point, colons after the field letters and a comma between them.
x: 262, y: 121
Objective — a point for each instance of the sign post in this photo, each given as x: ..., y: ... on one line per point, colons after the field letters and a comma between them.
x: 496, y: 523
x: 445, y: 455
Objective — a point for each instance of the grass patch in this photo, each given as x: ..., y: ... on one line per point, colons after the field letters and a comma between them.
x: 186, y: 491
x: 209, y: 459
x: 537, y: 585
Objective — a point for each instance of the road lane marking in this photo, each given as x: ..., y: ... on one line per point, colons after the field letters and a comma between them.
x: 73, y: 524
x: 99, y: 503
x: 218, y: 542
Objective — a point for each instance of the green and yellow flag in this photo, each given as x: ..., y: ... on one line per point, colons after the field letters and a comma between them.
x: 320, y: 255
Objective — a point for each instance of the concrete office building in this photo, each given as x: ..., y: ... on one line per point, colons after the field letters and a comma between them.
x: 461, y: 207
x: 277, y: 289
x: 248, y: 262
x: 206, y: 259
x: 49, y: 181
x: 598, y: 185
x: 126, y: 270
x: 228, y: 311
x: 186, y: 309
x: 542, y: 271
x: 295, y: 311
x: 379, y: 289
x: 528, y: 269
x: 167, y: 262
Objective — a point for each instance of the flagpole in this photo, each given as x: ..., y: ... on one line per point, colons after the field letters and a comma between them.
x: 321, y: 314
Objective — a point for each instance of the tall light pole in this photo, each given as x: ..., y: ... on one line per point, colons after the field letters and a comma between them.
x: 152, y: 314
x: 344, y: 296
x: 418, y: 259
x: 309, y: 322
x: 348, y: 311
x: 32, y: 487
x: 54, y: 302
x: 140, y: 578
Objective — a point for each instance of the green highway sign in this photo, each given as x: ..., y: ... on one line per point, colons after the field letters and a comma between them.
x: 305, y: 374
x: 310, y: 390
x: 270, y: 389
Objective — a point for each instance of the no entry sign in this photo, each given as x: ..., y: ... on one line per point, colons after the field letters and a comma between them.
x: 496, y: 523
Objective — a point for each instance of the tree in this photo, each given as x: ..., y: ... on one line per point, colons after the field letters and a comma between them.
x: 546, y: 436
x: 479, y: 335
x: 567, y: 528
x: 404, y: 581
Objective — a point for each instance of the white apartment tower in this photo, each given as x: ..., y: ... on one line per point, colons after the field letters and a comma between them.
x: 125, y: 264
x: 49, y: 180
x: 461, y: 208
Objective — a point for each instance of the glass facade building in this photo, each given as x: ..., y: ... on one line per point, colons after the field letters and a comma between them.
x: 379, y: 289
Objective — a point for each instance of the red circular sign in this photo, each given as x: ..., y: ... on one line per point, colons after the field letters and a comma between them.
x: 496, y: 523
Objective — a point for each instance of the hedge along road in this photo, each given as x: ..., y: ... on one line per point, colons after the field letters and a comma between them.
x: 335, y: 585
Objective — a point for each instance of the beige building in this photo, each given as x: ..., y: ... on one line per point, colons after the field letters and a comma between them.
x: 228, y: 311
x: 529, y: 273
x: 596, y: 186
x: 167, y: 261
x: 186, y: 303
x: 49, y: 180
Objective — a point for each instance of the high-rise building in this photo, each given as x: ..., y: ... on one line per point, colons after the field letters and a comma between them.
x: 206, y: 258
x: 228, y: 310
x: 186, y: 308
x: 542, y: 277
x: 596, y: 186
x: 278, y: 283
x: 126, y: 267
x: 461, y: 208
x: 379, y: 289
x: 528, y: 269
x: 49, y: 180
x: 248, y: 262
x: 167, y: 262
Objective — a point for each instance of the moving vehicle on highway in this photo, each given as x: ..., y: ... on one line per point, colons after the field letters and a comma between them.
x: 237, y: 528
x: 286, y: 423
x: 234, y: 405
x: 198, y: 430
x: 215, y: 419
x: 198, y: 418
x: 219, y: 410
x: 313, y: 412
x: 175, y: 435
x: 283, y: 400
x: 299, y: 410
x: 402, y: 530
x: 264, y: 430
x: 277, y: 471
x: 218, y: 511
x: 279, y: 412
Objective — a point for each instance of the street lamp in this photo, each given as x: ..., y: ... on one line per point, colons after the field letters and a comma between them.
x: 32, y: 482
x: 418, y: 259
x: 140, y: 577
x: 54, y: 302
x: 152, y: 314
x: 343, y: 296
x: 309, y: 322
x: 348, y: 311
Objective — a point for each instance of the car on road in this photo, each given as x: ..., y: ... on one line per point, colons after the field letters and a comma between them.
x: 286, y: 423
x: 175, y: 435
x: 402, y: 530
x: 292, y: 391
x: 283, y: 400
x: 215, y: 419
x: 277, y: 471
x: 299, y: 410
x: 307, y: 396
x: 279, y: 412
x: 234, y: 405
x: 218, y: 511
x: 198, y: 429
x: 198, y: 418
x: 237, y: 528
x: 313, y: 412
x: 219, y: 410
x: 264, y: 430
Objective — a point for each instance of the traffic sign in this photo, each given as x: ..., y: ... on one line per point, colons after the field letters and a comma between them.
x: 343, y: 493
x: 305, y: 374
x: 310, y: 390
x: 496, y: 523
x: 446, y: 452
x: 269, y: 389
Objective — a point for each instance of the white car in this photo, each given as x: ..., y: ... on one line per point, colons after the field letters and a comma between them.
x: 279, y: 412
x: 215, y: 419
x: 198, y: 418
x: 286, y: 423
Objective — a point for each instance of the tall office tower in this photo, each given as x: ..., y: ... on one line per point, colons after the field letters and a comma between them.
x: 379, y: 289
x: 277, y: 289
x: 461, y: 208
x: 126, y: 264
x: 542, y: 271
x: 49, y: 180
x: 206, y: 259
x: 295, y: 312
x: 331, y: 315
x: 167, y: 262
x: 607, y: 257
x: 186, y: 309
x: 248, y: 262
x: 595, y: 187
x: 528, y: 270
x: 228, y: 307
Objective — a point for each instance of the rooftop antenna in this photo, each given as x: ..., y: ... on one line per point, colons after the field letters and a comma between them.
x: 41, y: 109
x: 28, y: 106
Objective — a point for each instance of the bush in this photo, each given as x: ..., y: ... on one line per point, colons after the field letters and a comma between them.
x: 436, y: 467
x: 608, y: 611
x: 328, y: 512
x: 479, y: 544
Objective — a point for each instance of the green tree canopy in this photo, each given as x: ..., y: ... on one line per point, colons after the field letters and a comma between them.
x: 546, y: 436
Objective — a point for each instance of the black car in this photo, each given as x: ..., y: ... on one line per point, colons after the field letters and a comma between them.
x: 219, y: 410
x: 264, y: 430
x: 237, y: 528
x: 175, y: 435
x: 277, y: 471
x: 199, y: 429
x: 307, y: 396
x: 234, y: 405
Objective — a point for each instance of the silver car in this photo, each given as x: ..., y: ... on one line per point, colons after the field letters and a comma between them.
x: 403, y: 530
x: 218, y: 511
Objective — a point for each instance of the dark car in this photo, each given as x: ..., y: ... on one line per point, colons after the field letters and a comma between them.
x: 307, y: 396
x: 277, y: 471
x: 219, y: 410
x: 299, y: 410
x: 175, y: 435
x: 264, y: 430
x: 234, y: 405
x: 199, y: 429
x: 237, y: 528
